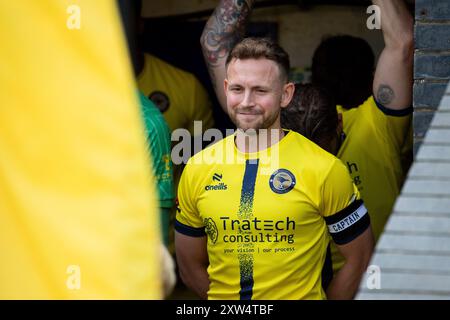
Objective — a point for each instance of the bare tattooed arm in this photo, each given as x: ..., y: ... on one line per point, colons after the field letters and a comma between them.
x: 393, y: 81
x: 223, y: 30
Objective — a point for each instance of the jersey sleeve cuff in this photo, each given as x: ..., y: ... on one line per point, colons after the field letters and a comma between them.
x: 348, y: 224
x: 188, y: 230
x: 392, y: 112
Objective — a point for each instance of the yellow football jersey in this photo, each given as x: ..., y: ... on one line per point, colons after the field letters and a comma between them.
x: 266, y: 216
x: 77, y: 208
x: 372, y: 151
x: 178, y: 94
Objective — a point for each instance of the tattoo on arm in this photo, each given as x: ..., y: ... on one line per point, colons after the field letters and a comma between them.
x: 385, y: 94
x: 223, y: 30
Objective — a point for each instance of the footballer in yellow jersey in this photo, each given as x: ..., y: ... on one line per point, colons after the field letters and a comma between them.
x: 379, y: 139
x: 371, y: 151
x: 268, y: 217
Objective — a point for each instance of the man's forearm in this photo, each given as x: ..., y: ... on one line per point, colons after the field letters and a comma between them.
x: 192, y: 258
x: 357, y: 254
x: 345, y: 284
x: 197, y: 281
x: 223, y: 30
x: 396, y: 22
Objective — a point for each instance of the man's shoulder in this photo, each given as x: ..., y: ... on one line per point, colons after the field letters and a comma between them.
x: 359, y: 118
x: 310, y: 156
x: 302, y: 145
x: 214, y: 153
x: 370, y: 107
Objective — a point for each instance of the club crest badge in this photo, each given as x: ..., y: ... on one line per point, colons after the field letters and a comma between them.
x: 161, y: 100
x: 282, y: 181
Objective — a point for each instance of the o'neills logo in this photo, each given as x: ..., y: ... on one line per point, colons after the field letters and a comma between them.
x: 220, y: 186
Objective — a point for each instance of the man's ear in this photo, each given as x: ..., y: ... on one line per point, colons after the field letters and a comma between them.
x: 225, y: 86
x: 288, y: 93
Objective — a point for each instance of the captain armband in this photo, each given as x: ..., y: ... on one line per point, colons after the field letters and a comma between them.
x: 349, y: 223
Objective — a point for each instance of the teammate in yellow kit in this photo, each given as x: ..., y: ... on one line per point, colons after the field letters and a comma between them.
x: 268, y: 214
x: 178, y: 94
x: 377, y: 127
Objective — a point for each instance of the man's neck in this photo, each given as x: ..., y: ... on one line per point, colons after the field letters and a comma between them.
x: 259, y: 140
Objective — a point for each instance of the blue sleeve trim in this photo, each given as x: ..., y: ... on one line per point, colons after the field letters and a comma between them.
x: 394, y: 113
x: 189, y: 231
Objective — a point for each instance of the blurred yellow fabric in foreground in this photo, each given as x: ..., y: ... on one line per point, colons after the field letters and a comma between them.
x: 77, y: 215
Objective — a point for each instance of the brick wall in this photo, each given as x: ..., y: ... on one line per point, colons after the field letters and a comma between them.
x: 431, y: 62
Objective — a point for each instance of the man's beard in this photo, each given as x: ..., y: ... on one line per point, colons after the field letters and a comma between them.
x: 255, y: 125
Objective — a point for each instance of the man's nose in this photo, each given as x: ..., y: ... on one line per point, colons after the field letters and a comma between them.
x: 248, y: 100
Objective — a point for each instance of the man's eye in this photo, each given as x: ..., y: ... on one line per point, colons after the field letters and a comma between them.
x: 236, y: 89
x: 261, y: 90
